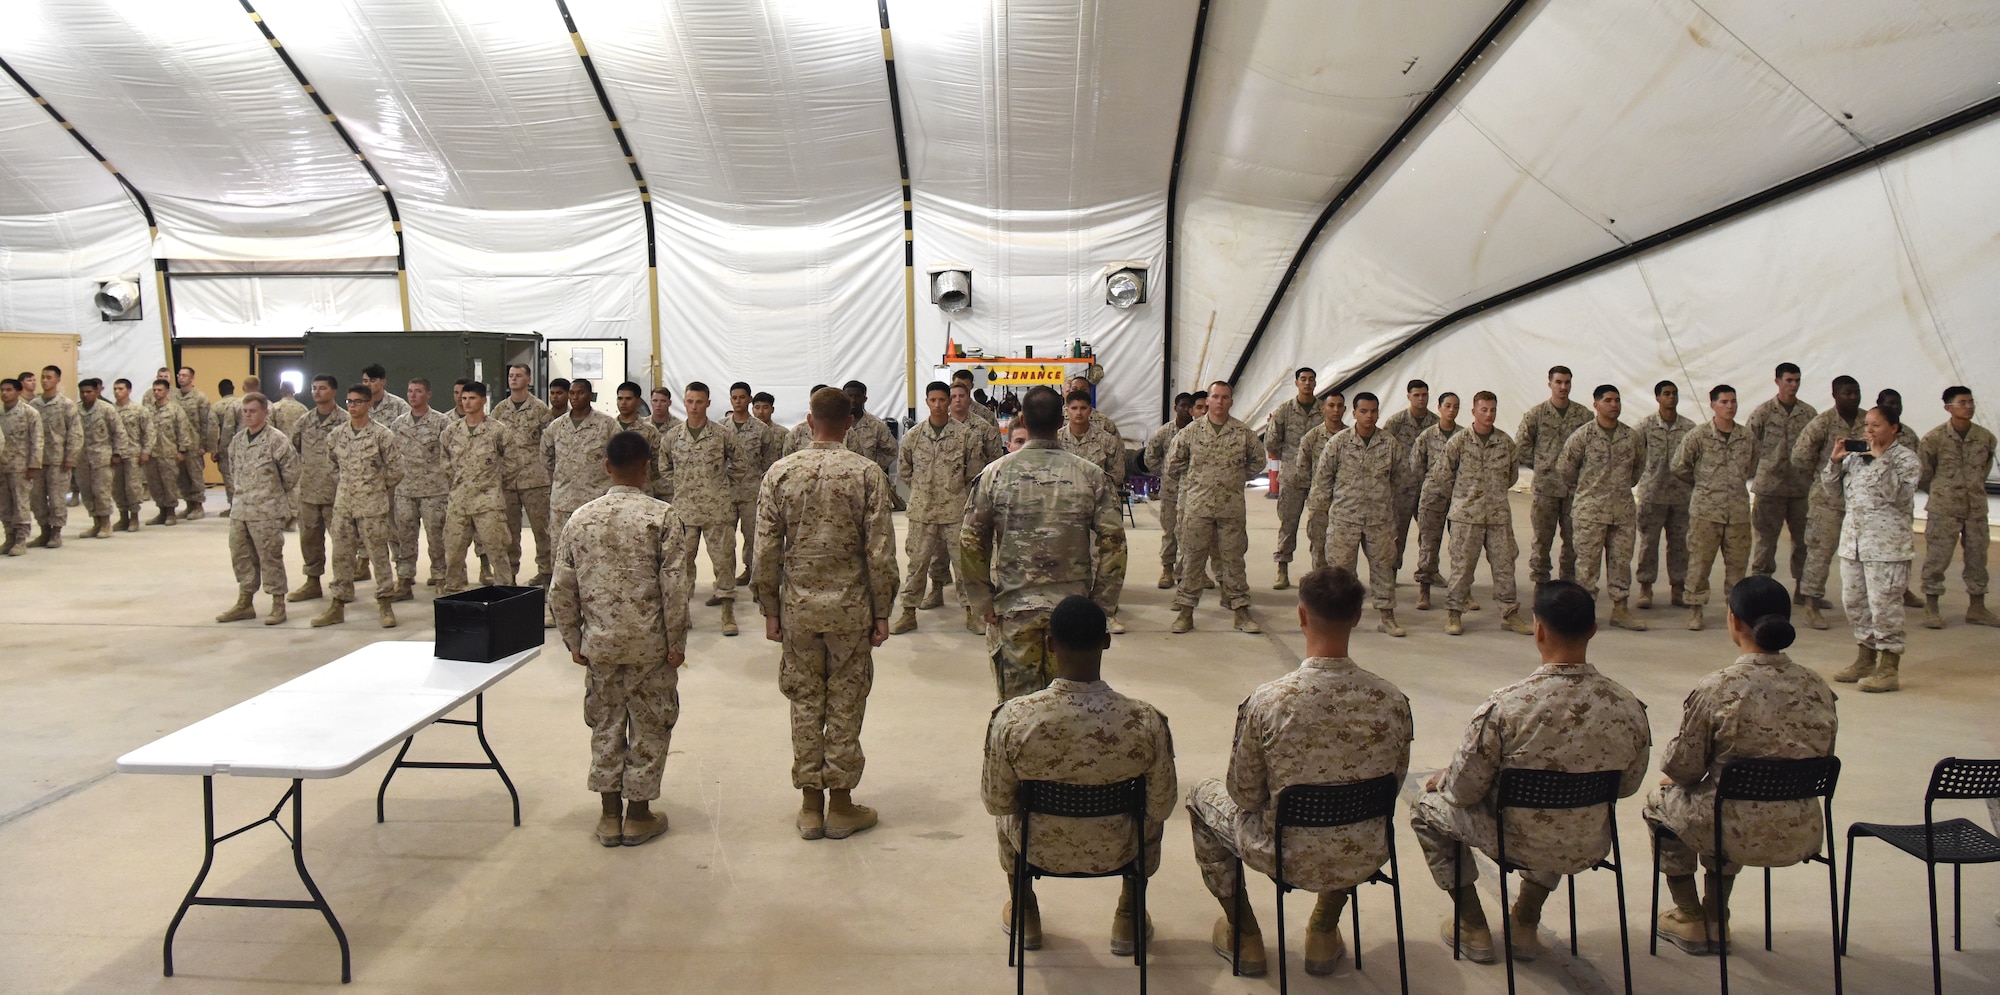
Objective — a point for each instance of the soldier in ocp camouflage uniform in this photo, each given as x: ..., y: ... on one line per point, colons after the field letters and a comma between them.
x: 525, y: 475
x: 938, y: 462
x: 128, y: 479
x: 1433, y: 498
x: 619, y: 596
x: 1600, y: 465
x: 1824, y: 507
x: 1077, y: 731
x: 104, y: 444
x: 1359, y: 474
x: 1328, y: 722
x: 825, y: 579
x: 20, y: 462
x: 476, y: 450
x: 1333, y: 411
x: 367, y: 468
x: 1877, y: 544
x: 267, y: 472
x: 1479, y: 467
x: 1287, y: 428
x: 1209, y: 462
x: 1544, y: 430
x: 318, y: 482
x: 1956, y: 457
x: 1404, y: 426
x: 1156, y: 464
x: 62, y: 445
x: 174, y: 441
x: 1566, y: 716
x: 1663, y: 497
x: 421, y: 496
x: 1781, y: 488
x: 1762, y: 706
x: 700, y: 455
x: 1039, y: 525
x: 201, y: 415
x: 1718, y: 458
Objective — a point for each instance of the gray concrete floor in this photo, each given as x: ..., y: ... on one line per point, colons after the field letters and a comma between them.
x: 112, y: 646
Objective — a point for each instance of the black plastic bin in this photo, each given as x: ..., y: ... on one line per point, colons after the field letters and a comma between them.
x: 487, y: 623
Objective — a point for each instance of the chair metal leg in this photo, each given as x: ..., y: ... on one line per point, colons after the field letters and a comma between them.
x: 1506, y: 918
x: 1652, y: 923
x: 1767, y: 908
x: 1624, y: 931
x: 1236, y: 925
x: 1937, y: 967
x: 1354, y: 912
x: 1396, y: 895
x: 1846, y: 904
x: 1832, y: 890
x: 1283, y: 980
x: 1955, y: 892
x: 1457, y: 882
x: 1139, y: 915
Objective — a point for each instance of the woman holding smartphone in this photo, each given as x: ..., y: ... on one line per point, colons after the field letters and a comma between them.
x: 1877, y: 476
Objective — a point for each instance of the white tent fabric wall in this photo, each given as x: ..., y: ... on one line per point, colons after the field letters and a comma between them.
x: 1292, y: 97
x: 765, y: 134
x: 1878, y: 275
x: 63, y: 222
x: 518, y: 211
x: 1595, y: 124
x: 233, y: 306
x: 1041, y: 135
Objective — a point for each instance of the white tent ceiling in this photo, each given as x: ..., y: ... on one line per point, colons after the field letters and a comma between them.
x: 1040, y: 138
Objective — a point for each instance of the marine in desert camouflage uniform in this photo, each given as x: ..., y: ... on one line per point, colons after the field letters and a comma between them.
x: 1333, y: 413
x: 318, y: 482
x: 700, y: 455
x: 1824, y: 507
x: 1287, y: 427
x: 20, y: 465
x: 267, y: 475
x: 1956, y: 458
x: 1781, y: 488
x: 476, y: 450
x: 1433, y: 499
x: 368, y: 468
x: 1480, y: 467
x: 62, y: 447
x: 1359, y: 474
x: 1544, y: 430
x: 1209, y: 462
x: 1156, y: 464
x: 1663, y: 497
x: 938, y: 461
x: 422, y: 495
x: 1600, y: 465
x: 1404, y: 426
x: 128, y: 478
x: 825, y: 579
x: 104, y: 446
x: 1718, y: 458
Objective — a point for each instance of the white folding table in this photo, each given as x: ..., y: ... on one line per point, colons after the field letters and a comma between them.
x: 324, y: 724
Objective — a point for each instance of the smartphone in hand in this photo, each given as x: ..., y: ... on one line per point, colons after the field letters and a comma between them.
x: 1856, y: 445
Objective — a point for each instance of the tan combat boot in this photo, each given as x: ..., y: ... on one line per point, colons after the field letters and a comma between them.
x: 1694, y: 622
x: 973, y: 622
x: 1387, y: 623
x: 812, y: 814
x: 1526, y: 921
x: 406, y: 590
x: 642, y: 823
x: 1813, y: 616
x: 276, y: 616
x: 743, y: 578
x: 1207, y: 582
x: 1113, y: 626
x: 1284, y: 578
x: 843, y: 817
x: 1910, y: 599
x: 10, y: 544
x: 1423, y: 597
x: 1324, y: 945
x: 1885, y: 677
x: 308, y: 591
x: 1684, y: 928
x: 1976, y: 613
x: 906, y: 622
x: 238, y: 612
x: 55, y: 539
x: 1514, y: 623
x: 1244, y: 623
x: 1031, y: 918
x: 935, y: 599
x: 41, y: 539
x: 610, y: 823
x: 124, y: 521
x: 195, y: 511
x: 1123, y: 935
x: 1454, y: 623
x: 1475, y: 939
x: 1863, y: 665
x: 1249, y: 959
x: 1645, y: 600
x: 1679, y: 592
x: 100, y: 527
x: 1183, y: 621
x: 1166, y: 578
x: 335, y: 614
x: 729, y: 618
x: 385, y: 611
x: 1622, y: 619
x: 1932, y: 620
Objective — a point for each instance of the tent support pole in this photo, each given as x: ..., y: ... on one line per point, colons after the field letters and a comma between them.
x: 389, y: 199
x: 909, y: 224
x: 1797, y: 184
x: 1173, y: 213
x: 1367, y: 171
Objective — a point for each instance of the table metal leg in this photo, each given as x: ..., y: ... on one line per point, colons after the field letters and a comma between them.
x: 294, y: 796
x: 478, y: 724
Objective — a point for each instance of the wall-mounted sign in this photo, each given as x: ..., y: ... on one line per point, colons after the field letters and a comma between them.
x: 1028, y: 375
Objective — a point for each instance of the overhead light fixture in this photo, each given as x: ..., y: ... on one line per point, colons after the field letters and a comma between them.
x: 951, y: 288
x: 117, y: 298
x: 1125, y: 287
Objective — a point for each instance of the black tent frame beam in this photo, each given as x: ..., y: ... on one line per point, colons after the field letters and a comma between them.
x: 1798, y: 184
x: 909, y: 222
x: 1367, y: 171
x: 1173, y: 212
x: 163, y: 287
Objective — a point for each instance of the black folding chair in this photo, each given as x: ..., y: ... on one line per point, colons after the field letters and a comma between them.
x: 1552, y: 789
x: 1956, y: 842
x: 1080, y: 801
x: 1768, y: 780
x: 1321, y: 806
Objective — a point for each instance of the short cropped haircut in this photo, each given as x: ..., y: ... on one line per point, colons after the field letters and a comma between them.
x: 1566, y: 608
x: 361, y: 391
x: 1661, y: 387
x: 1784, y: 368
x: 1844, y: 380
x: 1198, y: 396
x: 1337, y: 393
x: 1447, y: 396
x: 1302, y: 371
x: 256, y: 398
x: 1042, y: 409
x: 1212, y: 384
x: 627, y: 449
x: 580, y: 387
x: 423, y: 382
x: 1486, y: 395
x: 1415, y: 385
x: 965, y: 375
x: 374, y: 371
x: 937, y: 387
x: 57, y: 370
x: 1564, y: 370
x: 741, y: 385
x: 1077, y: 623
x: 1603, y: 389
x: 694, y: 387
x: 1715, y: 393
x: 161, y: 382
x: 327, y: 379
x: 855, y: 385
x: 830, y: 405
x: 559, y: 383
x: 663, y: 392
x: 16, y: 384
x: 1076, y: 395
x: 1951, y: 392
x: 635, y: 389
x: 1332, y: 594
x: 224, y: 387
x: 473, y: 387
x: 1183, y: 398
x: 1370, y: 398
x: 120, y: 382
x: 523, y: 367
x: 763, y: 397
x: 461, y: 382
